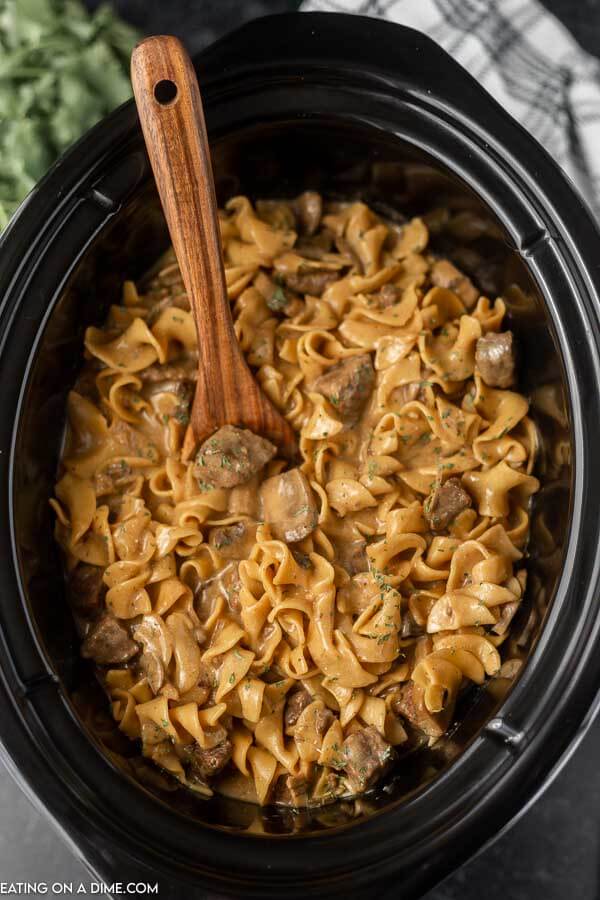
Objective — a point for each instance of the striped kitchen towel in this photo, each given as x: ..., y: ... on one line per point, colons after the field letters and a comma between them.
x: 525, y: 58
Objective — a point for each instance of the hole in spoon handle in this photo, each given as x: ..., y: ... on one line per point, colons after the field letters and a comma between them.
x: 165, y: 92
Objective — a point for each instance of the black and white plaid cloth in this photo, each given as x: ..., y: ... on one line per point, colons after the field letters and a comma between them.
x: 525, y: 58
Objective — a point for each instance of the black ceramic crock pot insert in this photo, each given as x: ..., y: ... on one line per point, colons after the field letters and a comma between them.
x: 295, y: 100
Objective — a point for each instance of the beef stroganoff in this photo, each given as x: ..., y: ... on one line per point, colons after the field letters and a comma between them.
x: 286, y: 633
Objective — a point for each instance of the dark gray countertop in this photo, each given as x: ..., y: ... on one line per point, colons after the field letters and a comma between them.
x: 552, y: 852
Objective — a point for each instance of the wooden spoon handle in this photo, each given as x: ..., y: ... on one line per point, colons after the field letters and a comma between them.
x: 170, y: 110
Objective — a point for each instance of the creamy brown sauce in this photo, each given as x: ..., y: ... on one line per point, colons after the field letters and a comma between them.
x: 286, y: 634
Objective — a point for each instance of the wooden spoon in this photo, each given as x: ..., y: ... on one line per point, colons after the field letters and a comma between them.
x: 170, y: 110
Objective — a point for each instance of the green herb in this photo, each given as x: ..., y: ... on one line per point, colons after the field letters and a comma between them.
x: 232, y: 678
x: 226, y: 462
x: 165, y: 419
x: 182, y: 417
x: 61, y: 70
x: 446, y: 413
x: 277, y: 301
x: 372, y: 469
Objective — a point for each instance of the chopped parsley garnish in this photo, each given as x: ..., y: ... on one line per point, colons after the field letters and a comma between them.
x: 277, y: 301
x: 182, y: 417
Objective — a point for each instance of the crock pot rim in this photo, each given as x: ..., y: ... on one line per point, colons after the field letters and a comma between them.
x: 123, y: 120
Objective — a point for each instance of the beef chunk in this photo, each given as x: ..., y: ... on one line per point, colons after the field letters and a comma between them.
x: 388, y: 295
x: 352, y: 556
x: 444, y: 504
x: 108, y: 643
x: 309, y: 209
x: 347, y: 385
x: 289, y: 505
x: 495, y: 359
x: 367, y: 756
x: 291, y: 790
x: 410, y: 704
x: 206, y: 763
x: 310, y: 281
x: 444, y: 274
x: 231, y: 456
x: 233, y: 541
x: 296, y: 702
x: 86, y: 589
x: 185, y: 369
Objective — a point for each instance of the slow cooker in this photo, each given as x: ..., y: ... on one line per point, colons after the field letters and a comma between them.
x: 353, y: 107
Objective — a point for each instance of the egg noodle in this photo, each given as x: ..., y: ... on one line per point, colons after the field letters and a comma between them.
x: 278, y: 633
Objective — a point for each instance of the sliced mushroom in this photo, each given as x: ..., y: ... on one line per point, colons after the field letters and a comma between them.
x: 289, y: 505
x: 155, y: 639
x: 309, y: 209
x: 495, y: 359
